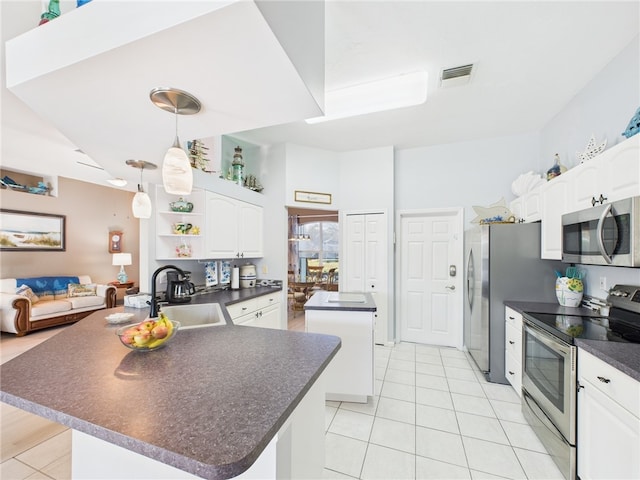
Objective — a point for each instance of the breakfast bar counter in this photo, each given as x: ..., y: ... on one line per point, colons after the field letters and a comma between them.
x: 207, y: 404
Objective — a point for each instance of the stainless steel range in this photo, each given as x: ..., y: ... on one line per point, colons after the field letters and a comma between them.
x: 549, y: 361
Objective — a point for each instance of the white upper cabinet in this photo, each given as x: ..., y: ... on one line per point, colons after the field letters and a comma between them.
x: 527, y: 207
x: 555, y: 201
x: 611, y: 176
x: 234, y: 229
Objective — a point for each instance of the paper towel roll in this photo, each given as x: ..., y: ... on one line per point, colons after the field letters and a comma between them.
x: 235, y: 278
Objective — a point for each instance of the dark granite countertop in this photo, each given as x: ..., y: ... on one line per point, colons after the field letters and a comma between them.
x: 623, y: 356
x: 321, y: 301
x: 208, y: 403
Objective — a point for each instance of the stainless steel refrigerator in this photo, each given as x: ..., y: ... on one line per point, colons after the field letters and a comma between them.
x: 502, y: 262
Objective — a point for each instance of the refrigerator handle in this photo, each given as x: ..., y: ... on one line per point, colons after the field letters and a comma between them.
x: 470, y: 279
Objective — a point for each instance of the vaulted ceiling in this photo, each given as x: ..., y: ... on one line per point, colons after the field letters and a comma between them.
x: 530, y: 59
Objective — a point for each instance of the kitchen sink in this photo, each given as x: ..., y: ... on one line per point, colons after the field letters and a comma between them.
x: 196, y: 315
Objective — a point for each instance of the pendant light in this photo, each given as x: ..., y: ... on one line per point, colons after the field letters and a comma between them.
x: 177, y: 175
x: 141, y: 204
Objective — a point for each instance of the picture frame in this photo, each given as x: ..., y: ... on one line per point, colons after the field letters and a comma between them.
x: 115, y: 241
x: 22, y: 231
x: 312, y: 197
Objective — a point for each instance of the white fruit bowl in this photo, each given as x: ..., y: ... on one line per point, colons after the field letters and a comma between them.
x: 143, y: 336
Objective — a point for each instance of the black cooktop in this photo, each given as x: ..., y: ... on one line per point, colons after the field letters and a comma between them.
x: 617, y: 327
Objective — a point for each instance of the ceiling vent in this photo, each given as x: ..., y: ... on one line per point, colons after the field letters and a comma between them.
x: 453, y: 77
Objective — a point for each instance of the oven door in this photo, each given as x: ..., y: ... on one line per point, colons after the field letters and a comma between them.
x: 549, y: 375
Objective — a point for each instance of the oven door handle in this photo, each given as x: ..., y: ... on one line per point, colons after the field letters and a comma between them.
x: 547, y: 339
x: 600, y: 235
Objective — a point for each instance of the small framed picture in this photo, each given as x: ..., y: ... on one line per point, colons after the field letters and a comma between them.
x: 115, y: 242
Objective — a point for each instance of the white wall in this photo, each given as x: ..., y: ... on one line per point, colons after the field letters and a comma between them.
x: 312, y: 170
x: 366, y: 179
x: 463, y: 174
x: 603, y: 108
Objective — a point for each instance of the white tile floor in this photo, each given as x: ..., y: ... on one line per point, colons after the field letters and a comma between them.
x: 434, y: 416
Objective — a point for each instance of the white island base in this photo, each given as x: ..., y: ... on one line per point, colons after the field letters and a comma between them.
x: 350, y: 375
x: 297, y: 451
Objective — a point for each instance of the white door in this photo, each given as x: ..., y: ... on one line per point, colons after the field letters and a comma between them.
x: 430, y: 278
x: 366, y: 264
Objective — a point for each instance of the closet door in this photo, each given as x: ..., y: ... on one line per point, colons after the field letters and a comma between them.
x: 365, y: 263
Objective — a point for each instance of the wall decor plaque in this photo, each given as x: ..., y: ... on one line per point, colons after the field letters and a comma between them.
x: 312, y: 197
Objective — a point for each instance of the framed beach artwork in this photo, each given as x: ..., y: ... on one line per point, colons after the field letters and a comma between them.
x: 30, y: 231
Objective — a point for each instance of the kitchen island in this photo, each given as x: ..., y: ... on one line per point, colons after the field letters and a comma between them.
x: 214, y: 403
x: 351, y: 316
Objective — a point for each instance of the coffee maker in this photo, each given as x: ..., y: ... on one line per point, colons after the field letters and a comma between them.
x: 179, y: 288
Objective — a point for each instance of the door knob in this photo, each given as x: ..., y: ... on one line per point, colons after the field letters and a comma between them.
x: 450, y: 287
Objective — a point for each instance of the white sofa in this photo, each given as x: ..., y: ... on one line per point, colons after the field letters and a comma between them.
x: 59, y: 300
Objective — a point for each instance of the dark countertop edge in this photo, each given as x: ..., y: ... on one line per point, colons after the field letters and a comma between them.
x: 190, y: 465
x: 623, y: 356
x: 317, y: 302
x: 168, y: 457
x: 106, y: 435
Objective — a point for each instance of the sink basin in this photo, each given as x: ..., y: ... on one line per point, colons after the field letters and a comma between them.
x: 196, y: 315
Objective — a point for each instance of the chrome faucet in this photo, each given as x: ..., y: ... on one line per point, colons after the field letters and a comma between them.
x: 153, y: 312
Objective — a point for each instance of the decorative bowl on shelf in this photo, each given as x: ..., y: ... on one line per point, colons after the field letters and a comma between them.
x: 181, y: 205
x: 148, y: 335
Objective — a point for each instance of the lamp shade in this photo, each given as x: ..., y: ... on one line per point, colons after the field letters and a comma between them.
x: 177, y: 176
x: 120, y: 259
x: 141, y: 205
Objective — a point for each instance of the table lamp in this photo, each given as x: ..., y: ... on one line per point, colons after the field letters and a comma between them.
x: 121, y: 259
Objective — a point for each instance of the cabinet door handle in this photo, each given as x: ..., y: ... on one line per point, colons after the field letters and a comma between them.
x: 511, y: 373
x: 511, y: 342
x: 511, y: 318
x: 604, y: 380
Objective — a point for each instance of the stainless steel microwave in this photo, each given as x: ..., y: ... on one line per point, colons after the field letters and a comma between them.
x: 608, y: 234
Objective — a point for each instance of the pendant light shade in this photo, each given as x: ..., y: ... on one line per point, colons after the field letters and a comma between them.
x: 177, y: 175
x: 141, y: 204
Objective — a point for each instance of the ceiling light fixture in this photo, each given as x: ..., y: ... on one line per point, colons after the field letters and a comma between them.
x: 117, y: 182
x: 177, y: 176
x: 141, y: 204
x: 390, y: 93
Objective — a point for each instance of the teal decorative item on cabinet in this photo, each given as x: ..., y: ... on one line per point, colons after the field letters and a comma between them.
x: 634, y: 125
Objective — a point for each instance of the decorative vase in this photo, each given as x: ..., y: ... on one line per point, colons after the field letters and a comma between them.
x: 569, y: 291
x: 557, y: 168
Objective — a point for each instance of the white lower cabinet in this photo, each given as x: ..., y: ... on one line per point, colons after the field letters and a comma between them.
x: 608, y: 421
x: 513, y: 349
x: 264, y: 311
